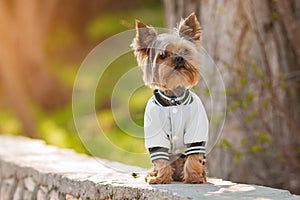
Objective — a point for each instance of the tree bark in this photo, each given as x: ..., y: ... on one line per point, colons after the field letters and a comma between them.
x: 256, y: 46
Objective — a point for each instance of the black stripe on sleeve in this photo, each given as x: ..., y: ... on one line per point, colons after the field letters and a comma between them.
x: 159, y: 153
x: 196, y: 148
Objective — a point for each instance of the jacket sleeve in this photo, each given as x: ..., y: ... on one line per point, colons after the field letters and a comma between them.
x: 156, y: 139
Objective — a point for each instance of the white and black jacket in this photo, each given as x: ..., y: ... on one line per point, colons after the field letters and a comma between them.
x: 175, y: 129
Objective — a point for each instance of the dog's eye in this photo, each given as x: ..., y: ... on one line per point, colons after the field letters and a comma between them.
x: 163, y: 55
x: 185, y: 52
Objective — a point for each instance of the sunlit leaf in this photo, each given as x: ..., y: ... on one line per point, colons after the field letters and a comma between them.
x: 254, y: 149
x: 237, y: 157
x: 226, y: 144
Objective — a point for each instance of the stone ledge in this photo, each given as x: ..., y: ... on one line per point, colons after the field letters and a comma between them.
x: 30, y: 169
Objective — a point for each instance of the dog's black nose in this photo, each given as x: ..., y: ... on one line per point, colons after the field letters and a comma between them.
x: 178, y: 60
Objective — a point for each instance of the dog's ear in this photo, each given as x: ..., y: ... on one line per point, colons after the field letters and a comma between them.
x: 190, y: 28
x: 144, y: 35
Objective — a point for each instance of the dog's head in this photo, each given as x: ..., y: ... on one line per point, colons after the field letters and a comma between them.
x: 169, y: 61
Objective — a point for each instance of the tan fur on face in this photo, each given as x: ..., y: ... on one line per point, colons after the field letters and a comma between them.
x: 166, y: 76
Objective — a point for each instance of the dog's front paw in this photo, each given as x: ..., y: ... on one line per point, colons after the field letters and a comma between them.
x: 158, y: 180
x: 162, y: 174
x: 150, y: 175
x: 194, y: 178
x: 194, y: 170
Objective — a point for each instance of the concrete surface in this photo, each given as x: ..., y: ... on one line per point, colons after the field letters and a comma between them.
x: 30, y: 169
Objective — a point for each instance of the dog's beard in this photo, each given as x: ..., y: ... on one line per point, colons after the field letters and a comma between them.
x: 166, y: 77
x: 169, y: 78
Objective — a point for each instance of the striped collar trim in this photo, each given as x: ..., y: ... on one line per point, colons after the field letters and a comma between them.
x: 160, y: 98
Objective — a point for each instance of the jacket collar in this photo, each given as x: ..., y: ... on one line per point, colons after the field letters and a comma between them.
x: 163, y: 100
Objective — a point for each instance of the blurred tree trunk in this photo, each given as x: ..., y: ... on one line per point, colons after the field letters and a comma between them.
x: 256, y: 44
x: 23, y: 71
x: 175, y: 10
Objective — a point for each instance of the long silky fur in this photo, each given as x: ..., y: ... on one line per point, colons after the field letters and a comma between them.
x: 194, y: 169
x: 162, y: 173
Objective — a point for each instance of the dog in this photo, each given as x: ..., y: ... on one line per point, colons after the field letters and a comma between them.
x: 175, y: 122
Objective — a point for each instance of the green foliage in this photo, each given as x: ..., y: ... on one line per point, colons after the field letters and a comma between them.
x: 226, y: 92
x: 67, y: 73
x: 262, y: 145
x: 274, y: 15
x: 253, y: 64
x: 226, y: 144
x: 54, y: 134
x: 237, y: 103
x: 109, y: 24
x: 243, y: 81
x: 266, y: 85
x: 254, y: 149
x: 234, y: 105
x: 230, y: 108
x: 57, y: 127
x: 269, y: 152
x: 263, y: 138
x: 236, y: 154
x: 61, y: 38
x: 137, y: 104
x: 246, y: 103
x: 292, y: 92
x: 207, y: 92
x: 281, y: 158
x: 9, y: 124
x: 234, y: 91
x: 103, y: 27
x: 111, y: 76
x: 245, y: 141
x: 251, y: 117
x: 250, y: 96
x: 237, y: 157
x: 248, y: 100
x: 220, y: 9
x: 265, y: 105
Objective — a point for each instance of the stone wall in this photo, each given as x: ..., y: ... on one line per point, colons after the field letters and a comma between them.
x: 30, y: 169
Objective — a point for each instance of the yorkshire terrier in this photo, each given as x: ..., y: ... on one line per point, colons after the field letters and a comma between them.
x: 175, y: 122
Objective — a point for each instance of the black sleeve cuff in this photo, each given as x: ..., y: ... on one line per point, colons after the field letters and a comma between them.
x: 196, y: 148
x: 158, y: 153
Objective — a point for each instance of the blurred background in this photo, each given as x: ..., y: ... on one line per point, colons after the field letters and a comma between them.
x: 255, y: 44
